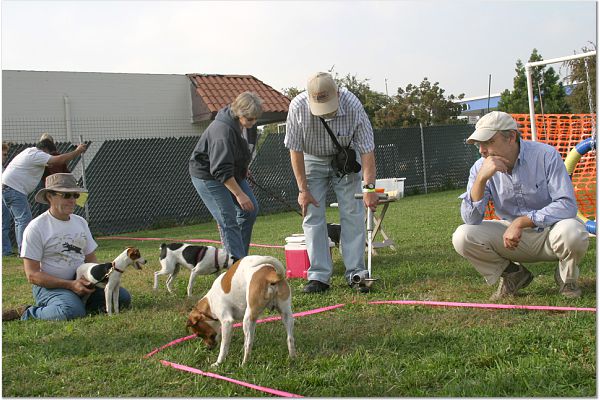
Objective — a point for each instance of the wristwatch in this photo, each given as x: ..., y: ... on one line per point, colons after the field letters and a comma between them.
x: 368, y: 188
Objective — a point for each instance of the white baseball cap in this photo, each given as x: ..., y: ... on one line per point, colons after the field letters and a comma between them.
x: 489, y: 124
x: 322, y: 94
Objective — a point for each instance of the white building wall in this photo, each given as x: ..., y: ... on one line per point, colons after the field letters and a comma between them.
x: 40, y: 94
x: 103, y: 106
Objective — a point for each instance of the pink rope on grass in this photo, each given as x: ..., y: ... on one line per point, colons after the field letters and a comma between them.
x: 275, y: 392
x: 276, y: 318
x: 322, y: 309
x: 211, y: 375
x: 174, y: 342
x: 481, y: 305
x: 270, y: 246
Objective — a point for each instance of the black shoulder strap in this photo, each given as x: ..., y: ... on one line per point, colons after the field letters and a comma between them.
x: 337, y: 144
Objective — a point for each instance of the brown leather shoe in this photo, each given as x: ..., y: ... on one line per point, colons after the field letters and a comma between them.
x: 14, y: 313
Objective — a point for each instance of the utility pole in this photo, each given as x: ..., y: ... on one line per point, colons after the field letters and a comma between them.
x: 489, y: 91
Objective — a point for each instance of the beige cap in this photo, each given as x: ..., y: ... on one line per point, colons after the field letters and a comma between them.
x: 489, y: 124
x: 322, y: 94
x: 59, y: 183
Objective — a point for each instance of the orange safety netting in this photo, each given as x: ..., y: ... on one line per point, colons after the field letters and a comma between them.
x: 564, y: 132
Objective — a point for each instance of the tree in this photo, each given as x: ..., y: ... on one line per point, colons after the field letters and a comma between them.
x: 292, y: 92
x: 425, y: 104
x: 370, y: 99
x: 546, y: 86
x: 579, y: 100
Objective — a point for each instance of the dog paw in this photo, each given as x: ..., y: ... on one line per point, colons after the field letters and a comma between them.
x: 215, y: 365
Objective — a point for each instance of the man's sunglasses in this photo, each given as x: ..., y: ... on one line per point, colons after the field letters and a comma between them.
x: 67, y: 196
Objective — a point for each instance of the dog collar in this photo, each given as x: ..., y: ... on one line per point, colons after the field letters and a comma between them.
x: 217, y: 259
x: 201, y: 254
x: 115, y: 268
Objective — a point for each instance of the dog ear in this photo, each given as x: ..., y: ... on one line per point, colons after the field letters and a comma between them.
x: 195, y: 317
x: 133, y: 253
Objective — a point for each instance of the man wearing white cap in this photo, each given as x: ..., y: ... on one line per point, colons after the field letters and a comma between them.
x: 312, y: 151
x: 533, y: 195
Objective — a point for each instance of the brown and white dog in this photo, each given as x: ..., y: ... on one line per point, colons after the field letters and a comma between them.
x: 242, y: 293
x: 108, y: 275
x: 200, y: 260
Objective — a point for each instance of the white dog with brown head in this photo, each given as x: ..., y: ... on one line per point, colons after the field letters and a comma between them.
x: 242, y: 293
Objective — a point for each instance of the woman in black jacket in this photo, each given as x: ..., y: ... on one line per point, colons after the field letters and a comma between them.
x: 219, y: 166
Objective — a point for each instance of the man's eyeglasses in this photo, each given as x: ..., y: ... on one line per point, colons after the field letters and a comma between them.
x: 67, y: 196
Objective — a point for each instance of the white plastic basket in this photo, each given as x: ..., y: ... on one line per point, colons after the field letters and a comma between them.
x: 394, y: 187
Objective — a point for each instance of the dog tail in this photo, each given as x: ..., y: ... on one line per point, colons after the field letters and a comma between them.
x: 279, y: 268
x: 163, y: 251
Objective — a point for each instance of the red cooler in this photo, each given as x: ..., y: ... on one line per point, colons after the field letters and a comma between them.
x: 296, y: 259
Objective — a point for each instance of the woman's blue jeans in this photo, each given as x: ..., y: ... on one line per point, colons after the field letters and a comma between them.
x: 14, y: 207
x: 235, y: 224
x: 63, y: 304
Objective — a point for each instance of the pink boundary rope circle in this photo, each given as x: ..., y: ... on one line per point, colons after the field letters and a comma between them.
x: 322, y: 309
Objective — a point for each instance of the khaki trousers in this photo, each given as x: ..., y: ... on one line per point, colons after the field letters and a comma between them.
x: 566, y: 241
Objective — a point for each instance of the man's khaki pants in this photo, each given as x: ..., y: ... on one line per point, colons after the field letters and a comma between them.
x: 565, y: 241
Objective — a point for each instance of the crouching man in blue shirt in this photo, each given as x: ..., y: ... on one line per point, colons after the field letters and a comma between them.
x: 533, y: 195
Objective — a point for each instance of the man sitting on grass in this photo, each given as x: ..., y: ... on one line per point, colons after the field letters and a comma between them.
x: 54, y: 245
x: 533, y: 195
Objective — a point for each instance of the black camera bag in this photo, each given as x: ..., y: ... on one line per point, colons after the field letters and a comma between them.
x: 344, y: 161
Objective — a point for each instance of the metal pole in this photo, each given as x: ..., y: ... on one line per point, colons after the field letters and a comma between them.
x: 530, y: 85
x: 489, y: 91
x: 85, y: 206
x: 68, y: 119
x: 369, y: 239
x: 531, y: 105
x: 560, y: 59
x: 370, y: 223
x: 423, y: 157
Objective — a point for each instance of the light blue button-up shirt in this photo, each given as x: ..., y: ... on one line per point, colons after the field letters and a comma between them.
x: 538, y: 187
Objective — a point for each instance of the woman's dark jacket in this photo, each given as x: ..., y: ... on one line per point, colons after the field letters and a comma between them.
x: 221, y: 152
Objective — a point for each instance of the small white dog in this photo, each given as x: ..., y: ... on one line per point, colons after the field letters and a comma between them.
x: 242, y: 293
x: 108, y: 275
x: 200, y: 260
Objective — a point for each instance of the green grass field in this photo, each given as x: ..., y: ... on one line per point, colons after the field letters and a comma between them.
x: 359, y: 350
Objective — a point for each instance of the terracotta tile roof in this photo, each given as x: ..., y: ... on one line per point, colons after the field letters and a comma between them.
x: 217, y: 91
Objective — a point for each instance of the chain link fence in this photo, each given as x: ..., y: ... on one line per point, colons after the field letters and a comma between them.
x: 142, y: 182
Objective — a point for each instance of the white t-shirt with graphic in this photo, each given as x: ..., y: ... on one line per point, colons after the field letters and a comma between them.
x: 59, y: 246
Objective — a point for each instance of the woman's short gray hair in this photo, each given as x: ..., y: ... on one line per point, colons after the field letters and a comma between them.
x: 248, y: 105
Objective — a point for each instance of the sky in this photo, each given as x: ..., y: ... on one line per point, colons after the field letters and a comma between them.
x: 390, y: 43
